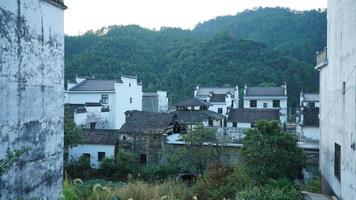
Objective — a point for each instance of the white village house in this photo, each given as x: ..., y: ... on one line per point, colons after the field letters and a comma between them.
x: 267, y: 98
x: 220, y: 98
x: 97, y: 145
x: 155, y: 101
x: 103, y: 103
x: 337, y: 68
x: 307, y: 118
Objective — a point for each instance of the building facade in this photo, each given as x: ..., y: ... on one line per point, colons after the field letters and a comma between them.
x: 220, y: 98
x: 337, y: 69
x: 155, y: 101
x: 112, y: 99
x: 307, y: 118
x: 267, y: 98
x: 31, y: 100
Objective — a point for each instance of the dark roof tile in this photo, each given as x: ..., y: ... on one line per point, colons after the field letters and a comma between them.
x: 247, y: 115
x: 101, y: 136
x: 191, y: 117
x: 193, y: 102
x: 265, y: 91
x: 94, y: 85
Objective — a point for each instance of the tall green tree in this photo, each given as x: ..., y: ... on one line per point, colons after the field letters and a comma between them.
x: 270, y: 153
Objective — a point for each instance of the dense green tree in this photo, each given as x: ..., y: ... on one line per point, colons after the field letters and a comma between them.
x: 270, y: 153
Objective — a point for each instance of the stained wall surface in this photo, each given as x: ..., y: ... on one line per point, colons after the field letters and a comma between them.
x: 31, y: 97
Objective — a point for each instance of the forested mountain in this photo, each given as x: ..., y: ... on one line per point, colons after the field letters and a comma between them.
x: 246, y: 48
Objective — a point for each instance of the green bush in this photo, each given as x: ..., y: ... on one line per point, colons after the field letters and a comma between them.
x: 269, y: 152
x: 313, y: 185
x: 159, y: 172
x: 270, y: 193
x: 222, y: 182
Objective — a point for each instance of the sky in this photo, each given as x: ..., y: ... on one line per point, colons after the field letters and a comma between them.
x: 83, y: 15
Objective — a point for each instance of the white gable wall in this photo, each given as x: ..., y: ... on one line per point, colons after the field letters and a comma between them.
x: 92, y: 149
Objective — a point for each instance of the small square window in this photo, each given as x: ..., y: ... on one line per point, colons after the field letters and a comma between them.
x: 129, y: 84
x: 276, y: 103
x: 220, y: 110
x: 130, y: 100
x: 211, y: 123
x: 265, y: 105
x: 253, y: 103
x: 86, y: 156
x: 92, y: 125
x: 234, y: 124
x: 101, y: 156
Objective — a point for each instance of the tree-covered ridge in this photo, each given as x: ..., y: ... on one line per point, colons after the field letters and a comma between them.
x: 295, y: 33
x: 178, y: 60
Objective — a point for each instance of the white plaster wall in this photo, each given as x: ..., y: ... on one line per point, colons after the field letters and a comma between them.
x: 93, y: 149
x: 269, y: 101
x: 216, y: 106
x: 31, y: 97
x: 311, y: 133
x: 338, y: 111
x: 123, y: 94
x: 162, y: 101
x: 239, y: 125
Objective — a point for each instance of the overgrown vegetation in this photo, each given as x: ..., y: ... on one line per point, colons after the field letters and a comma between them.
x: 11, y: 157
x: 256, y: 177
x: 267, y: 45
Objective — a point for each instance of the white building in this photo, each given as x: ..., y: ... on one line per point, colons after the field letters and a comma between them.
x: 31, y: 97
x: 337, y: 101
x: 307, y: 118
x: 155, y: 101
x: 97, y: 145
x: 108, y: 99
x: 220, y: 98
x: 267, y: 98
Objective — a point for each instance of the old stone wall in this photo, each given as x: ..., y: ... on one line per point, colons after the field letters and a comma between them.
x: 31, y: 97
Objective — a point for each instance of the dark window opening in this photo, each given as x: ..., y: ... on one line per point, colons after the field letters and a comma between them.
x: 130, y: 100
x: 86, y: 156
x: 92, y: 125
x: 104, y: 99
x: 311, y: 104
x: 143, y: 158
x: 253, y: 103
x: 101, y: 156
x: 253, y: 125
x: 276, y: 103
x: 220, y: 110
x: 129, y: 84
x: 343, y: 87
x: 265, y: 105
x: 211, y: 122
x: 124, y: 137
x: 234, y: 124
x: 232, y: 103
x: 337, y: 161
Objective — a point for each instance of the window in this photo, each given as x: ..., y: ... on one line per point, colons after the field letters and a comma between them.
x: 253, y: 103
x: 210, y: 122
x: 337, y: 161
x: 343, y: 87
x: 92, y: 125
x: 86, y: 156
x: 265, y: 105
x: 104, y: 99
x: 276, y: 103
x: 129, y: 84
x: 311, y: 104
x: 143, y: 158
x: 232, y: 103
x: 253, y: 125
x: 234, y: 124
x: 130, y: 99
x: 220, y: 110
x: 101, y: 156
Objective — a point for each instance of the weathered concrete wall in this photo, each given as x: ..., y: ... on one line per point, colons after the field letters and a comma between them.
x: 338, y: 110
x: 31, y: 97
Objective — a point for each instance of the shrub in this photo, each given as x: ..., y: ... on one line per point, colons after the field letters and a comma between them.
x: 222, y: 182
x: 313, y: 185
x: 270, y: 193
x: 159, y: 172
x: 269, y: 152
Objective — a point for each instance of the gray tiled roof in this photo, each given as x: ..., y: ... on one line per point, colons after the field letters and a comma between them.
x: 138, y: 122
x: 205, y: 91
x: 248, y: 115
x: 95, y: 85
x: 265, y: 91
x: 311, y: 97
x: 217, y: 98
x: 58, y: 3
x: 193, y: 102
x: 101, y: 136
x: 150, y: 94
x: 191, y: 117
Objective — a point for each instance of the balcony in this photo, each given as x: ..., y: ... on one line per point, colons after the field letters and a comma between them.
x: 321, y: 59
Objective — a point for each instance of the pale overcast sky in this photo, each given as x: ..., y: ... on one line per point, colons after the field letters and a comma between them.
x: 83, y: 15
